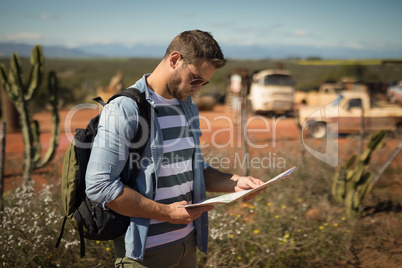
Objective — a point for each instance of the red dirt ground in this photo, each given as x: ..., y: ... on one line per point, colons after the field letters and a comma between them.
x: 219, y: 127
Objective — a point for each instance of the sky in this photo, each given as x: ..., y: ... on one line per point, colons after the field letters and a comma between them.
x: 355, y: 24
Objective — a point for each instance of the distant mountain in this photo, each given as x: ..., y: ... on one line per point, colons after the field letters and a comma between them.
x: 24, y: 50
x: 284, y: 52
x: 244, y: 52
x: 120, y: 50
x: 230, y: 51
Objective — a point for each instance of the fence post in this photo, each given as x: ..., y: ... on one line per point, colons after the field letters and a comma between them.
x: 386, y: 164
x: 2, y: 160
x: 362, y: 126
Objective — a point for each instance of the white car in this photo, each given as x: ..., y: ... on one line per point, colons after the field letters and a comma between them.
x: 272, y: 91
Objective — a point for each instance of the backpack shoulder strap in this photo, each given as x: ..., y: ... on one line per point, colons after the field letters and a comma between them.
x: 99, y: 100
x: 143, y: 107
x: 144, y: 111
x: 132, y: 93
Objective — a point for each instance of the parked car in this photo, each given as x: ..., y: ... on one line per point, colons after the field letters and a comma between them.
x: 271, y: 91
x: 394, y: 93
x: 347, y: 111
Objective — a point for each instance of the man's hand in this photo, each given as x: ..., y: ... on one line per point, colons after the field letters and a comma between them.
x: 180, y: 215
x: 133, y: 204
x: 247, y: 183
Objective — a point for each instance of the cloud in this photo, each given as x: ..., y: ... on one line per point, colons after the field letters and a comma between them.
x: 222, y: 24
x: 189, y: 15
x: 270, y: 28
x: 354, y: 46
x: 243, y: 29
x: 44, y: 16
x: 21, y: 37
x: 299, y: 33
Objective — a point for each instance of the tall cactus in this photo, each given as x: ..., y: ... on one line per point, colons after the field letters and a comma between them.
x: 350, y: 185
x: 20, y: 92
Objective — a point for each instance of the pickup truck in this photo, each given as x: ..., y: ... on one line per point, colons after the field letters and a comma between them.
x: 344, y: 115
x: 328, y: 92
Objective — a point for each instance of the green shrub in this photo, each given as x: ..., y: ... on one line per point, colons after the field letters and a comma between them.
x: 30, y: 225
x: 295, y: 222
x: 275, y: 229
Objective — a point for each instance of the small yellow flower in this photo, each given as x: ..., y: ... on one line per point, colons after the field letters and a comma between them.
x: 97, y: 242
x: 238, y: 215
x: 269, y: 204
x: 284, y: 240
x: 321, y: 227
x: 292, y: 241
x: 343, y: 218
x: 348, y: 231
x: 231, y: 236
x: 256, y: 231
x: 335, y: 224
x: 283, y: 206
x: 231, y: 214
x: 298, y: 230
x: 286, y: 235
x: 276, y: 216
x: 107, y: 248
x: 244, y: 205
x: 239, y: 257
x: 299, y: 200
x: 252, y: 207
x: 326, y: 224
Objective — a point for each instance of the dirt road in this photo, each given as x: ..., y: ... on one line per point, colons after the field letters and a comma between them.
x: 221, y: 132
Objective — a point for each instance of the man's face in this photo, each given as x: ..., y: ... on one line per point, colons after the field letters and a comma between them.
x: 178, y: 84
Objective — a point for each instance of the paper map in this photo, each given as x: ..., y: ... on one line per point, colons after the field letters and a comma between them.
x: 228, y: 198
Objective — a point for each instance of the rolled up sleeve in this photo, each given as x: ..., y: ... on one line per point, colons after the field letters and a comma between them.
x: 117, y: 126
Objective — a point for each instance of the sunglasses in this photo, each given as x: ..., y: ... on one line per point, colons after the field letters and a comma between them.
x: 195, y: 81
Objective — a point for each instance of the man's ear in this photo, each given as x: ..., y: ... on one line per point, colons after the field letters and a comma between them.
x: 174, y: 59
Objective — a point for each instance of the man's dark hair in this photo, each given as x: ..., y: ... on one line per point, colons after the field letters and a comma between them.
x: 195, y: 45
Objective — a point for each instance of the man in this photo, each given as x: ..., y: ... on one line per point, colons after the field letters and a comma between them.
x: 162, y: 233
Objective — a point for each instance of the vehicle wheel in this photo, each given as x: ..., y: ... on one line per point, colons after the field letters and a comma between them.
x: 399, y: 131
x: 392, y: 99
x: 317, y: 130
x: 251, y: 109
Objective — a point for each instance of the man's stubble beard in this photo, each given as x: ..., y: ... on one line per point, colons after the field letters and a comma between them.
x: 172, y: 86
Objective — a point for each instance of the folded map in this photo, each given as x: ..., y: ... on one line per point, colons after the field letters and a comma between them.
x: 228, y: 198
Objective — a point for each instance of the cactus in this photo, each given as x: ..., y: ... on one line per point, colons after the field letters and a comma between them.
x: 20, y: 94
x: 351, y: 185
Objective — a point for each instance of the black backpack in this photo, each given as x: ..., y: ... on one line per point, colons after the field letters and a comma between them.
x: 91, y: 220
